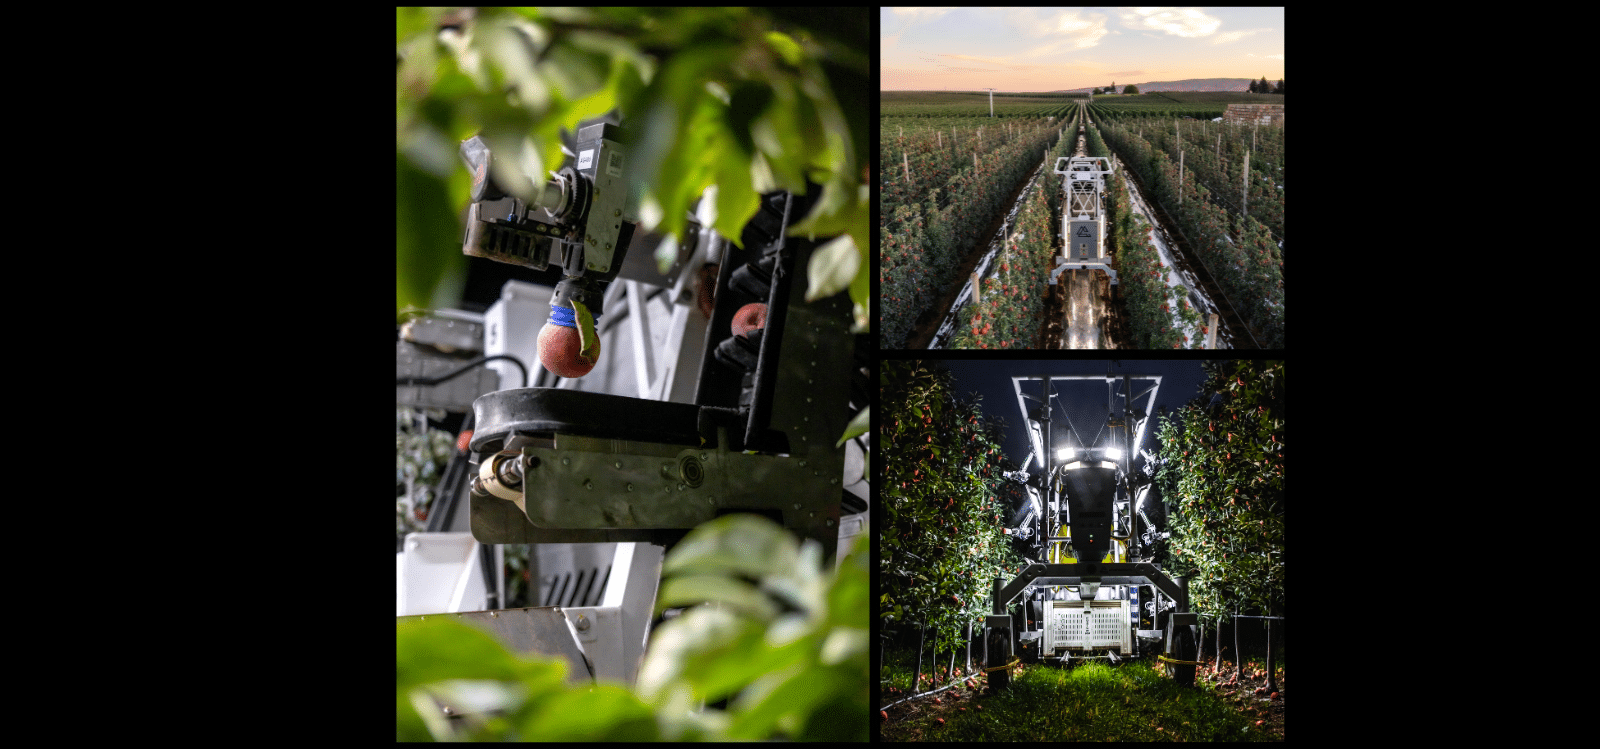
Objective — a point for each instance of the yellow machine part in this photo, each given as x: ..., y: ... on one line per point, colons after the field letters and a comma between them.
x: 1061, y: 554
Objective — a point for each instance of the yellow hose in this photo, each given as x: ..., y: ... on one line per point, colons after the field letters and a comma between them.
x: 1176, y: 662
x: 1014, y: 661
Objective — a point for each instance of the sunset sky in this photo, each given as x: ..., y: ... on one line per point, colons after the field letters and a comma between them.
x: 1052, y: 49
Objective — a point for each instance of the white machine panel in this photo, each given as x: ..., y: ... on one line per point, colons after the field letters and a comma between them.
x: 1103, y: 624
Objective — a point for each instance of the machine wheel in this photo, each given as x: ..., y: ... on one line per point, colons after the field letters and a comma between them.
x: 1183, y: 649
x: 995, y: 645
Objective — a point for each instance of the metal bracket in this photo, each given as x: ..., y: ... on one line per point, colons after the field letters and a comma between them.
x: 1083, y: 266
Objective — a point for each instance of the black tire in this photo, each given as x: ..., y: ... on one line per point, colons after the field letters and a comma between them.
x: 1183, y: 649
x: 995, y: 645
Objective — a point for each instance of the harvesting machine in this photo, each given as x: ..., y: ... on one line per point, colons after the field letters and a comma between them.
x: 1083, y: 219
x: 686, y: 417
x: 1089, y: 589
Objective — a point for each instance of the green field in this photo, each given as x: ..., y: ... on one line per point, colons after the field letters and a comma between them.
x: 951, y: 103
x: 1135, y: 701
x: 1006, y: 104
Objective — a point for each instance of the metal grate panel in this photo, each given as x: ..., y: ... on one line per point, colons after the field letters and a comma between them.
x: 1105, y: 624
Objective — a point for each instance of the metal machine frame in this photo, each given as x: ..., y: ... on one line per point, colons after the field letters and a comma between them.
x: 721, y: 423
x: 1091, y: 605
x: 1083, y: 218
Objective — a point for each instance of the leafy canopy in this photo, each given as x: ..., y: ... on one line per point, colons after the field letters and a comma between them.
x: 717, y: 98
x: 1223, y: 468
x: 782, y: 639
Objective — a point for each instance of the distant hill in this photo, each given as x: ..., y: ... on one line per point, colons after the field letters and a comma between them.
x: 1192, y: 84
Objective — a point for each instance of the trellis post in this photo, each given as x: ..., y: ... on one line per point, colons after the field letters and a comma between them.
x: 1245, y: 192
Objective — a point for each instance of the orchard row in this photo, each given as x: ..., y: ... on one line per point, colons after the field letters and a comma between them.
x: 942, y: 210
x: 1237, y: 251
x: 1157, y: 314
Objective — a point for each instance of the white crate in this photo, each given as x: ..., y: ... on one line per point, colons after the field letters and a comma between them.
x: 1104, y: 624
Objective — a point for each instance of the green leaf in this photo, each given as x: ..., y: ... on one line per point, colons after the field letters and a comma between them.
x: 781, y: 700
x: 736, y: 198
x: 857, y: 426
x: 606, y: 712
x: 786, y: 47
x: 742, y: 597
x: 437, y: 648
x: 860, y: 290
x: 714, y: 651
x: 589, y: 340
x: 833, y: 266
x: 430, y: 270
x: 410, y: 21
x: 750, y: 545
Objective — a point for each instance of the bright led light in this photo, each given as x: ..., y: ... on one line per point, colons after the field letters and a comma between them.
x: 1065, y: 453
x: 1113, y: 453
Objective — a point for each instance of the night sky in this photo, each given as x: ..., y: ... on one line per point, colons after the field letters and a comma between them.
x: 1086, y: 400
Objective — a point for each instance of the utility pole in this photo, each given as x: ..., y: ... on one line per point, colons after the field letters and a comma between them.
x: 991, y: 101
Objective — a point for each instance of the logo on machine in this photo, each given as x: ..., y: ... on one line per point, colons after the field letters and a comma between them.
x: 1083, y: 231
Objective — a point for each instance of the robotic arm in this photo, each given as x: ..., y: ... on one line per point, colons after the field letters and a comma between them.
x: 583, y: 223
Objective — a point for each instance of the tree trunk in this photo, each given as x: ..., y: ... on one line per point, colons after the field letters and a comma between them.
x: 966, y: 647
x: 1238, y: 655
x: 1219, y: 649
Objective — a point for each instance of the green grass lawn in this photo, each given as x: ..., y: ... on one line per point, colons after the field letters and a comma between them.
x: 1094, y: 701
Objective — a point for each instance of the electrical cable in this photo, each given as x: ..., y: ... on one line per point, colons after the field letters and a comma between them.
x: 463, y: 369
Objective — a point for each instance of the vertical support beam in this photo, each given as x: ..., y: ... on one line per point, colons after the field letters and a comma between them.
x: 907, y: 165
x: 644, y: 355
x: 1049, y: 452
x: 916, y: 676
x: 1245, y: 191
x: 1238, y: 657
x: 1128, y: 450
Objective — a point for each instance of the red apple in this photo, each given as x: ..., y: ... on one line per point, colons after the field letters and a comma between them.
x: 750, y: 317
x: 560, y: 351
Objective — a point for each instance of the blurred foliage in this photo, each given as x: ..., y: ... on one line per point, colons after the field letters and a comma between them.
x: 746, y: 100
x: 1223, y: 468
x: 781, y: 639
x: 941, y: 546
